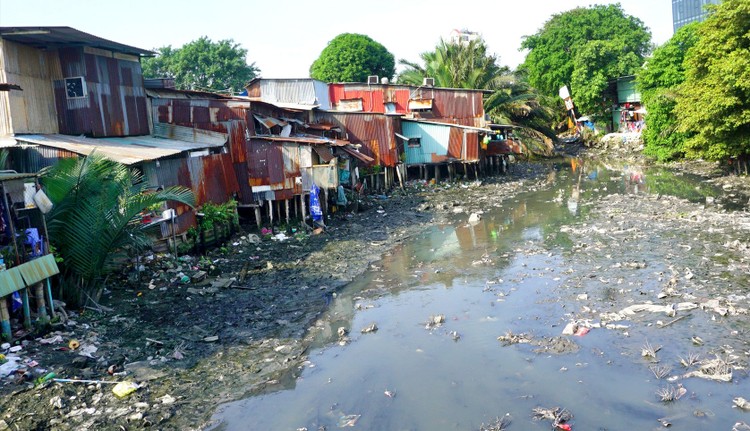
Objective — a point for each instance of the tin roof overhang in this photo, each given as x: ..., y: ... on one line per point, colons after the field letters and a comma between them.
x: 313, y: 140
x: 459, y: 126
x: 65, y: 37
x: 127, y: 150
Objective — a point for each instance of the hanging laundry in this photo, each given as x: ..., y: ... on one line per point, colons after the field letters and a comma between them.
x: 341, y: 196
x: 16, y: 302
x: 315, y: 211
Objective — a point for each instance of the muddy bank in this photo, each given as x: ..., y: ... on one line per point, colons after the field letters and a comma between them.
x: 198, y: 331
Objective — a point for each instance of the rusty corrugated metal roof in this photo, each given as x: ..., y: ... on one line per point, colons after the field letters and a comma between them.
x: 61, y: 37
x: 314, y: 140
x: 357, y: 155
x: 190, y: 134
x: 269, y: 122
x: 128, y: 150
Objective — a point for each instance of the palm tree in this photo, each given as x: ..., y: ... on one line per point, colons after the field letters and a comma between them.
x: 513, y: 101
x: 95, y: 218
x: 454, y: 65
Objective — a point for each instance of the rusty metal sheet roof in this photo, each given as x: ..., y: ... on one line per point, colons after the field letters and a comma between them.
x: 478, y: 129
x: 357, y: 155
x: 171, y: 93
x: 7, y: 141
x: 324, y: 153
x: 314, y: 140
x: 128, y: 150
x: 269, y: 122
x: 190, y: 134
x: 10, y: 281
x: 63, y: 37
x: 38, y: 269
x: 10, y: 176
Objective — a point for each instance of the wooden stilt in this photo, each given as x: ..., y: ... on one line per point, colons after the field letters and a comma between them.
x: 400, y: 176
x: 325, y: 202
x: 304, y: 208
x: 270, y: 212
x: 286, y: 206
x: 5, y: 318
x: 41, y: 303
x: 258, y: 219
x: 437, y: 173
x: 26, y: 308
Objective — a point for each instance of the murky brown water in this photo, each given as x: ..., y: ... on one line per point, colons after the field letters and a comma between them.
x: 525, y: 268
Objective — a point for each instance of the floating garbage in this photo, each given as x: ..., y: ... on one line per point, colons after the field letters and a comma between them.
x: 123, y: 389
x: 370, y: 328
x: 348, y: 420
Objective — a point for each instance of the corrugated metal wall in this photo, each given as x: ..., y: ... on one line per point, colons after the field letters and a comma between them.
x: 115, y: 103
x: 440, y: 143
x: 33, y: 109
x: 434, y: 142
x: 375, y: 132
x: 464, y: 107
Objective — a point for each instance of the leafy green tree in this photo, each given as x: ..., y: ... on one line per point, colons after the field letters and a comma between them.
x: 714, y: 100
x: 657, y: 82
x: 95, y: 218
x: 203, y: 65
x: 585, y: 48
x: 468, y: 65
x: 352, y: 57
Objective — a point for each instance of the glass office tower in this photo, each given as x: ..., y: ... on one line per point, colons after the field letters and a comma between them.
x: 687, y: 11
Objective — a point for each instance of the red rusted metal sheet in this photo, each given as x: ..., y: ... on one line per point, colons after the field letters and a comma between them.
x: 455, y: 143
x: 507, y: 146
x: 375, y: 132
x: 472, y: 146
x: 213, y: 178
x: 453, y: 106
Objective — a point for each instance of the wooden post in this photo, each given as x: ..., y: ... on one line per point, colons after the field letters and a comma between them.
x: 270, y: 212
x: 258, y: 219
x: 423, y: 168
x: 437, y: 173
x: 5, y: 318
x: 325, y: 203
x: 40, y: 302
x: 286, y: 206
x: 304, y: 209
x: 26, y: 309
x: 400, y: 176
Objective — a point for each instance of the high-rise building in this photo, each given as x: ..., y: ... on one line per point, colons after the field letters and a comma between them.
x: 687, y: 11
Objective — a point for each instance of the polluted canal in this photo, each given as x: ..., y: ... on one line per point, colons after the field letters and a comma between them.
x: 601, y: 301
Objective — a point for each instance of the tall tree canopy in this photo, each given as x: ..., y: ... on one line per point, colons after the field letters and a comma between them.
x: 456, y: 65
x: 468, y: 65
x: 203, y: 65
x: 657, y: 82
x: 585, y: 48
x: 714, y: 100
x: 352, y: 57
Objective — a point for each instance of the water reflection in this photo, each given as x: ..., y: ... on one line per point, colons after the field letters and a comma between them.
x: 504, y: 272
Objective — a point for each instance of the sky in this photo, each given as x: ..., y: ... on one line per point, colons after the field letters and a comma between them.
x: 283, y: 38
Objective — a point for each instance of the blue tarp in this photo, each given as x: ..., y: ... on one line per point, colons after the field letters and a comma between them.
x: 315, y: 211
